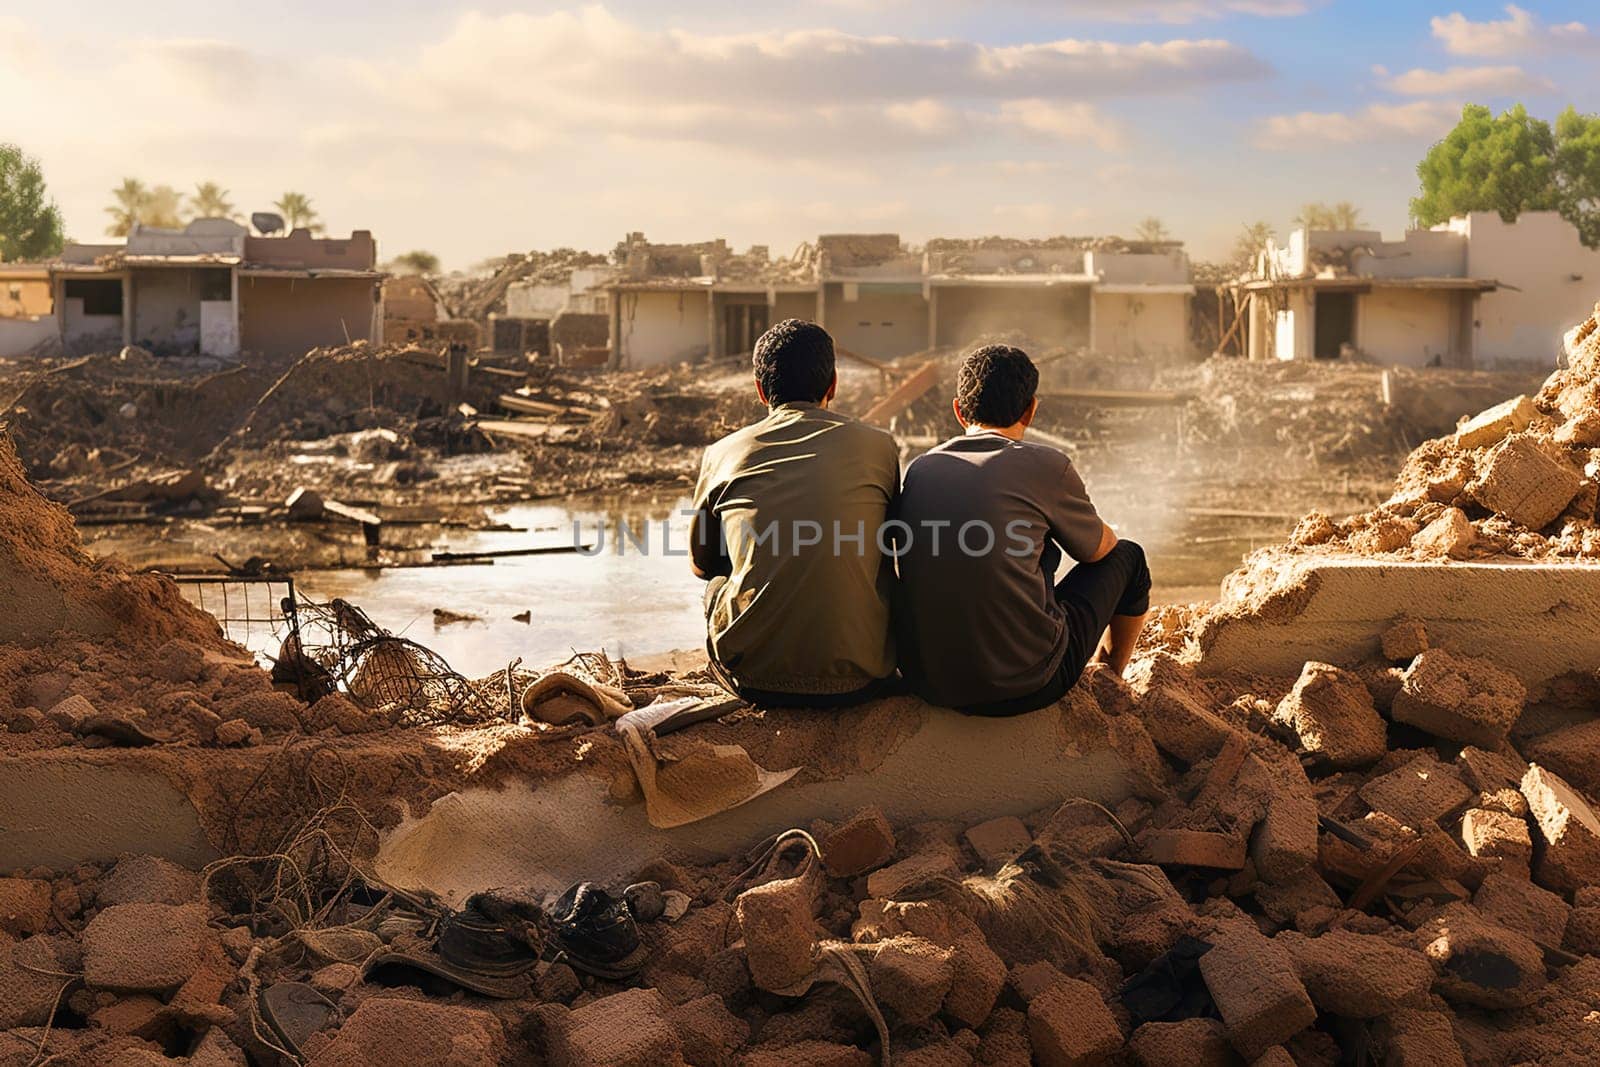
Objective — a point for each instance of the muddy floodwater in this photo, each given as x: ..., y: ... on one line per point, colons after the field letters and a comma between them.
x: 635, y: 595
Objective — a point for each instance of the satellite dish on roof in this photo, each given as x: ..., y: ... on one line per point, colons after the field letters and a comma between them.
x: 267, y: 223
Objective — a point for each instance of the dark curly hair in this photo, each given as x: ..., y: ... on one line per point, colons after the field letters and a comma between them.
x: 793, y: 362
x: 995, y: 385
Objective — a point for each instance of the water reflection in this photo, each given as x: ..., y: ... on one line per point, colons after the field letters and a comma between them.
x: 636, y: 602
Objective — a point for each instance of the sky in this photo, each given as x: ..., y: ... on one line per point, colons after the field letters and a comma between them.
x: 472, y: 130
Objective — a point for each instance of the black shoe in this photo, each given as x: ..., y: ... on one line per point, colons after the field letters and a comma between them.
x: 596, y: 933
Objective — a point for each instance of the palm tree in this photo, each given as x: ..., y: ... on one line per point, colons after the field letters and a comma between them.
x: 1346, y: 216
x: 128, y: 207
x: 1152, y: 229
x: 210, y: 201
x: 163, y: 207
x: 1341, y: 216
x: 298, y: 213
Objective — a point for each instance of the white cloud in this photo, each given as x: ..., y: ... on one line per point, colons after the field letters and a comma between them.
x: 1179, y: 11
x: 1520, y: 32
x: 1467, y: 81
x: 1066, y: 122
x: 589, y: 53
x: 1417, y: 120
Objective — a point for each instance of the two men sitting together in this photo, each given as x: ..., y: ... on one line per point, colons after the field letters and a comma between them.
x: 831, y: 581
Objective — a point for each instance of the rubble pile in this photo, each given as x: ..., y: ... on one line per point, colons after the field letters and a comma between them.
x: 1520, y: 479
x: 477, y: 295
x: 1388, y: 861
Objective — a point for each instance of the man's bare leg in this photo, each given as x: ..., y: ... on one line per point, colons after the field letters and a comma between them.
x: 1119, y: 641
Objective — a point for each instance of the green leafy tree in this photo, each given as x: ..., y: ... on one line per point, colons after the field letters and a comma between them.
x: 1152, y: 229
x: 1504, y: 163
x: 210, y: 201
x: 297, y: 212
x: 1578, y: 172
x: 1319, y: 216
x: 127, y: 206
x: 30, y: 223
x: 416, y: 261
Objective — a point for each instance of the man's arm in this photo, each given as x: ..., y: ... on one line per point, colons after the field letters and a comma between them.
x: 1074, y: 522
x: 1108, y: 541
x: 708, y: 554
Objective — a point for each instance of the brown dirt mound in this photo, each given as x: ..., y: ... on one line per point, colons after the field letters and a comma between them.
x: 49, y: 585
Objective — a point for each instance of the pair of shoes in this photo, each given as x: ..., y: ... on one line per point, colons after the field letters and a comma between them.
x: 595, y: 932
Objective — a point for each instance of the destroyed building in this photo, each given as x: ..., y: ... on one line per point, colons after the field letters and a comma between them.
x: 214, y: 289
x: 883, y: 299
x: 1475, y: 291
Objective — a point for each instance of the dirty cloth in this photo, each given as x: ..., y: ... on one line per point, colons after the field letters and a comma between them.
x: 791, y: 510
x: 686, y: 779
x: 977, y: 613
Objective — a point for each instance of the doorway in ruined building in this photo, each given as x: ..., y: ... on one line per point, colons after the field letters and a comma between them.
x: 742, y: 324
x: 1335, y: 323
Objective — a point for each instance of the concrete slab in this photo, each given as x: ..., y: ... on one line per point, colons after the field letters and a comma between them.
x: 1541, y: 621
x: 58, y: 810
x: 549, y: 834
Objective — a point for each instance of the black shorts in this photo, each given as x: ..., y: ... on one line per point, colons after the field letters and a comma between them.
x: 1090, y: 595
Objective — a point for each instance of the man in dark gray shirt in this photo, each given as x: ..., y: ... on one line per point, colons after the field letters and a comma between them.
x: 984, y: 518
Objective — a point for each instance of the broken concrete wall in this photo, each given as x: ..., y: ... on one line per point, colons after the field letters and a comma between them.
x: 880, y: 320
x: 1141, y: 325
x: 282, y: 315
x: 168, y: 305
x: 299, y: 249
x: 1547, y: 279
x: 1414, y: 327
x: 662, y: 326
x: 1050, y: 314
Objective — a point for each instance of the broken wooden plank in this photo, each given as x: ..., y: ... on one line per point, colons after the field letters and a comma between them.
x: 506, y: 553
x: 902, y: 396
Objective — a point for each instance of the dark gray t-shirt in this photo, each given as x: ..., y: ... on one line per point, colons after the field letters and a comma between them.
x: 977, y: 612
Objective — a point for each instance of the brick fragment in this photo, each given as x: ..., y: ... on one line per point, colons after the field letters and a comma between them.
x: 1195, y: 848
x: 1492, y: 425
x: 861, y: 843
x: 1181, y: 726
x: 1481, y: 962
x: 1573, y: 752
x: 1285, y: 841
x: 1521, y: 482
x: 1355, y: 975
x: 1070, y: 1026
x: 1450, y: 535
x: 627, y: 1029
x: 1418, y: 794
x: 709, y: 1033
x: 147, y: 880
x: 1460, y: 698
x: 1569, y: 832
x: 911, y: 976
x: 777, y: 920
x: 27, y: 996
x: 1332, y: 713
x: 1257, y: 989
x: 937, y: 860
x: 999, y: 840
x: 24, y: 906
x: 145, y: 947
x: 1413, y: 1037
x: 1190, y: 1043
x: 1496, y: 835
x: 1404, y: 640
x: 1518, y: 904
